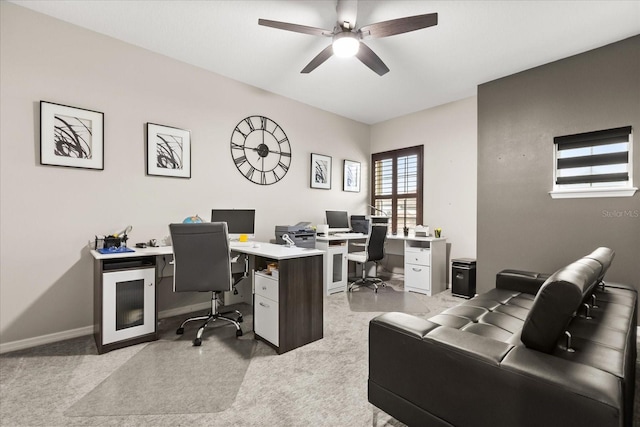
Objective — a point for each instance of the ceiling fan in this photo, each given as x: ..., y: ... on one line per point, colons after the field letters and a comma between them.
x: 347, y: 40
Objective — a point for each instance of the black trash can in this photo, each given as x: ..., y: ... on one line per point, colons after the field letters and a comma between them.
x: 463, y: 277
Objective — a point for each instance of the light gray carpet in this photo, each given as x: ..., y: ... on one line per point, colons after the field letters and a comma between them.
x: 202, y: 379
x: 320, y: 384
x: 386, y: 299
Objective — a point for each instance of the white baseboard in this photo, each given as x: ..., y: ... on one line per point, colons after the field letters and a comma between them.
x: 45, y: 339
x: 87, y: 330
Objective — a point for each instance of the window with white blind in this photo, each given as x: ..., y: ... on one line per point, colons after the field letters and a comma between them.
x: 594, y: 164
x: 396, y: 182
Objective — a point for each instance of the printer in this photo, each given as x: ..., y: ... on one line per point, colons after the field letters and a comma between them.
x: 302, y: 235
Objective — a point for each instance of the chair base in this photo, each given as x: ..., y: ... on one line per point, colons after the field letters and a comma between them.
x: 212, y: 316
x: 369, y: 282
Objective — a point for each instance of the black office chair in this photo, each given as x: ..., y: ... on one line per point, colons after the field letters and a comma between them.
x: 374, y: 252
x: 202, y: 263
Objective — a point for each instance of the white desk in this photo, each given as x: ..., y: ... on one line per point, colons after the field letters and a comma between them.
x: 269, y: 250
x: 291, y: 317
x: 425, y: 262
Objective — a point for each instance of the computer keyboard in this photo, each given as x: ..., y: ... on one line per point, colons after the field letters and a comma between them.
x: 349, y: 234
x: 239, y: 244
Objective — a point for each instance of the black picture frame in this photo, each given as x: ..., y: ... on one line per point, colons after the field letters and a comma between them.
x: 351, y: 176
x: 320, y: 171
x: 71, y: 136
x: 168, y: 151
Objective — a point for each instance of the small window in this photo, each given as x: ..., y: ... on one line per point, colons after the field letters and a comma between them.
x: 594, y: 164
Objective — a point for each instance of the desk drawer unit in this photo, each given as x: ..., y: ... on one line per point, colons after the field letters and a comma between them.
x: 417, y: 270
x: 417, y: 278
x: 420, y: 256
x: 266, y: 286
x: 266, y: 308
x: 266, y: 319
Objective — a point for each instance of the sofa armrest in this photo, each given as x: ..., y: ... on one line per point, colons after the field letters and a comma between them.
x: 528, y: 282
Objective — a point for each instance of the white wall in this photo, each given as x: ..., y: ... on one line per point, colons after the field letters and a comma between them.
x: 449, y: 135
x: 49, y: 213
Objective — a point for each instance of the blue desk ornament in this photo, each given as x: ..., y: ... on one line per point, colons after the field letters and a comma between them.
x: 195, y: 219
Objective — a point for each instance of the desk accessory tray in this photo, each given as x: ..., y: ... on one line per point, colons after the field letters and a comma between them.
x: 115, y: 250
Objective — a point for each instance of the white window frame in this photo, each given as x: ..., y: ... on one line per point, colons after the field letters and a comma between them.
x: 588, y: 191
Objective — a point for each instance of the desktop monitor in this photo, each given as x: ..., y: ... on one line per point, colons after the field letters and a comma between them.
x: 338, y: 220
x: 239, y: 221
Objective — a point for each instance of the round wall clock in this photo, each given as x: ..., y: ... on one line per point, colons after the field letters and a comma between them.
x: 260, y: 150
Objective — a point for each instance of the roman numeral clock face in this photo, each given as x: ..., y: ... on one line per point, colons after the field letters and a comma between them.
x: 261, y: 150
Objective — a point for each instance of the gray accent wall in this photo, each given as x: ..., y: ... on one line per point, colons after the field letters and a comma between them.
x: 519, y: 224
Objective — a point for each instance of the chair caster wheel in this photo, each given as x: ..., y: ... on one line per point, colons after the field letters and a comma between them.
x: 197, y: 342
x: 180, y: 331
x: 238, y: 332
x: 240, y: 319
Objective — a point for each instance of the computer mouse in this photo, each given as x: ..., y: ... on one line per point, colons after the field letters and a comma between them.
x: 256, y: 245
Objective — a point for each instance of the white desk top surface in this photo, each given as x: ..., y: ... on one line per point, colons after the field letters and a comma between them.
x: 411, y: 236
x: 267, y: 250
x: 343, y: 237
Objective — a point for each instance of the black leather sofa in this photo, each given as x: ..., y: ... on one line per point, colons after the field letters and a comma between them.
x: 538, y: 350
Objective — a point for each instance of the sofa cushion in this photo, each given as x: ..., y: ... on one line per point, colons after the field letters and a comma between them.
x: 470, y: 312
x: 513, y: 310
x: 450, y: 320
x: 502, y: 320
x: 557, y: 300
x: 487, y: 330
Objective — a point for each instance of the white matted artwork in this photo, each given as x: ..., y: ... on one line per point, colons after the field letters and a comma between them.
x: 351, y: 177
x: 320, y: 171
x: 71, y: 137
x: 168, y: 151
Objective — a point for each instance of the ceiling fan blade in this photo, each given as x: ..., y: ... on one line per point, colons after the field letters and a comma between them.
x: 371, y: 60
x: 399, y: 26
x: 295, y: 27
x: 347, y: 12
x: 318, y: 60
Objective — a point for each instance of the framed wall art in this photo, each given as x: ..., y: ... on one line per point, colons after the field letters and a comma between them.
x: 320, y: 171
x: 71, y: 137
x: 168, y: 151
x: 351, y: 176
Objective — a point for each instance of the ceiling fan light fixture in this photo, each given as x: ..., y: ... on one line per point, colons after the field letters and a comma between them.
x: 345, y: 44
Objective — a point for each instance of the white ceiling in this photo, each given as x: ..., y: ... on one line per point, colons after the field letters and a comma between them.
x: 474, y: 42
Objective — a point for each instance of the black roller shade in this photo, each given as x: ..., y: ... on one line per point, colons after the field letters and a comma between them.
x: 593, y: 139
x: 595, y: 160
x: 605, y: 177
